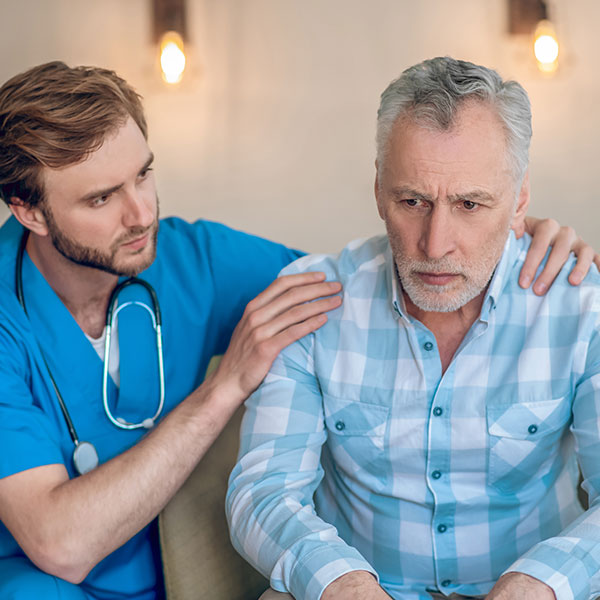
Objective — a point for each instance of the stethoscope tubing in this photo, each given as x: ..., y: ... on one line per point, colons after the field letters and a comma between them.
x: 21, y: 299
x: 85, y: 456
x: 155, y: 315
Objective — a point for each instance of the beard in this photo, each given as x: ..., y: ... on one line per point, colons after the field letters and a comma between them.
x: 472, y: 275
x: 104, y: 260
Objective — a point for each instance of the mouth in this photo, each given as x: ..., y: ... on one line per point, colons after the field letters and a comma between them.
x: 437, y: 278
x: 137, y: 243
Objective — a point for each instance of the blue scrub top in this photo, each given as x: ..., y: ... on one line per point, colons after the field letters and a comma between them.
x: 204, y: 275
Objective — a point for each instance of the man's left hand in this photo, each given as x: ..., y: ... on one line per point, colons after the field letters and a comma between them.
x: 518, y: 586
x: 546, y: 233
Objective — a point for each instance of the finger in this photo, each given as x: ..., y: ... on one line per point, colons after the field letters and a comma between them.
x: 294, y: 296
x: 284, y: 283
x: 295, y: 332
x: 556, y: 260
x: 534, y: 226
x: 295, y: 315
x: 535, y: 255
x: 597, y: 261
x: 585, y: 257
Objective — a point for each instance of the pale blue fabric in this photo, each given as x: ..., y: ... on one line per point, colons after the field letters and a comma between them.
x: 204, y: 275
x: 357, y: 453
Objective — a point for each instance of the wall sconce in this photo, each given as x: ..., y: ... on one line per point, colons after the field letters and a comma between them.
x: 170, y: 35
x: 531, y: 17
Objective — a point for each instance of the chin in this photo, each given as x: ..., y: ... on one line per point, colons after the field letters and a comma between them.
x: 137, y: 263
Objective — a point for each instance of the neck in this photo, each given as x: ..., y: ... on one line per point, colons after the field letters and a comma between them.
x: 85, y: 291
x: 449, y: 328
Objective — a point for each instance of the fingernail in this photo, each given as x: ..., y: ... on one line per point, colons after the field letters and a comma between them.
x: 525, y: 281
x: 540, y: 288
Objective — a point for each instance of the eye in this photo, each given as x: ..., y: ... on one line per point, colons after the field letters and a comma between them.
x: 414, y: 203
x: 145, y: 172
x: 100, y: 201
x: 469, y: 204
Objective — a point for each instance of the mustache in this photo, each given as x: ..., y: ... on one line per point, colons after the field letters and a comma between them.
x: 442, y: 265
x: 134, y: 233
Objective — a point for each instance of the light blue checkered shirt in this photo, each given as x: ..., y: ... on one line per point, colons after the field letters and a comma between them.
x: 357, y: 453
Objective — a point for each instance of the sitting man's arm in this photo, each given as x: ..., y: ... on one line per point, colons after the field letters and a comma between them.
x: 269, y: 504
x: 567, y: 566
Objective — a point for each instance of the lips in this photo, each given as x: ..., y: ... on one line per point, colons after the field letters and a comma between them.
x: 437, y: 278
x: 137, y: 243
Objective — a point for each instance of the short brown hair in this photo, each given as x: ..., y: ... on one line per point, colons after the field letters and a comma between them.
x: 53, y: 116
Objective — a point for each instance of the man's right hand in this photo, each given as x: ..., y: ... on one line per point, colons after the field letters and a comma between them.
x: 282, y: 314
x: 356, y: 585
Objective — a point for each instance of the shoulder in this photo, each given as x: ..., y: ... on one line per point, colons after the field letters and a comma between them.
x: 211, y: 239
x: 562, y: 295
x: 360, y: 256
x: 10, y: 237
x: 16, y: 336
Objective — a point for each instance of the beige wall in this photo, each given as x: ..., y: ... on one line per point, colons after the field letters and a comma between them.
x: 272, y: 131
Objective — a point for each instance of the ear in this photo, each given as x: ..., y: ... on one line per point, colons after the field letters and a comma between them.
x: 378, y: 192
x: 31, y: 217
x: 518, y: 220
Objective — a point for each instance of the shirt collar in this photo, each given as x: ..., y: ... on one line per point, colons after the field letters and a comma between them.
x: 513, y: 250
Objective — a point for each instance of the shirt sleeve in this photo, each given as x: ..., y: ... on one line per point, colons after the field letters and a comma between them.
x: 269, y: 504
x: 28, y: 438
x: 570, y: 562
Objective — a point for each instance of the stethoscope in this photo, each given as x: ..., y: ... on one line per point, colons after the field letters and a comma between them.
x: 85, y: 456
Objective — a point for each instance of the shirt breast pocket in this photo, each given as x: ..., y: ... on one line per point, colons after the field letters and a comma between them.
x: 356, y: 434
x: 524, y: 441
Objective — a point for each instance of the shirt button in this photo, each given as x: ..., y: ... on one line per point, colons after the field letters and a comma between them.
x: 340, y: 425
x: 428, y: 346
x: 436, y: 474
x: 442, y: 528
x: 446, y: 583
x: 437, y: 411
x: 532, y: 429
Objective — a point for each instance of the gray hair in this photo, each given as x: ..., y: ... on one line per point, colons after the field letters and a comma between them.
x: 431, y: 93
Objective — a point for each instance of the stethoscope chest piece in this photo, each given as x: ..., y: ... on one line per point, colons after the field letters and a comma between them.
x: 85, y: 457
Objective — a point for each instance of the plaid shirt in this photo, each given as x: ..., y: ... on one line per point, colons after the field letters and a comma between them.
x: 358, y: 453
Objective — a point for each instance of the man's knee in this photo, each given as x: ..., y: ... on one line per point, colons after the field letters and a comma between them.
x: 20, y: 579
x: 273, y: 595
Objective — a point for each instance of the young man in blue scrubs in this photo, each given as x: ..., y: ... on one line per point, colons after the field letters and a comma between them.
x: 76, y: 172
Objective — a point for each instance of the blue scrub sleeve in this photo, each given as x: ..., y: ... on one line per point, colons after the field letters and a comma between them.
x: 20, y: 579
x: 27, y: 436
x: 242, y: 266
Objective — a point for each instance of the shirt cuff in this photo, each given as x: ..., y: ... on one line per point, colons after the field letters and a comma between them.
x: 314, y: 572
x: 562, y: 564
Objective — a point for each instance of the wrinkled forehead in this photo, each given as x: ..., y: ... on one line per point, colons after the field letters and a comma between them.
x: 476, y: 140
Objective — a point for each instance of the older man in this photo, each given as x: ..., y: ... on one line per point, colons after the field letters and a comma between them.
x: 421, y: 443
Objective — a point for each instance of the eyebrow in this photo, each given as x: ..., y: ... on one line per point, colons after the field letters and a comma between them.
x: 111, y: 190
x: 405, y: 191
x: 474, y: 196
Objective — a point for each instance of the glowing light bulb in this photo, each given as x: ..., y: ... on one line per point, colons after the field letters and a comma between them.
x: 545, y: 47
x: 172, y: 57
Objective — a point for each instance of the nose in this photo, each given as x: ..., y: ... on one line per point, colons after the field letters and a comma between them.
x: 139, y: 210
x: 437, y: 237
